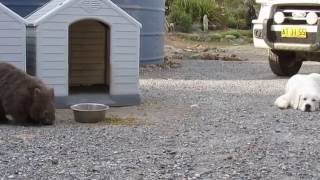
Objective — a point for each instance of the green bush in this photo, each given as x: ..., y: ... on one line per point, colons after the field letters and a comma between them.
x: 247, y: 33
x: 216, y: 37
x: 221, y: 13
x: 198, y: 8
x: 237, y: 13
x: 230, y: 37
x: 232, y: 33
x: 236, y: 18
x: 182, y: 20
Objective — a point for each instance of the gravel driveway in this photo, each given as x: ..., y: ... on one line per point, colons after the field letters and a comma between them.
x: 205, y: 120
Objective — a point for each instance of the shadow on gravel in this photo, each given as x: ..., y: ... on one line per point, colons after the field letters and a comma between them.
x: 26, y: 124
x: 218, y: 70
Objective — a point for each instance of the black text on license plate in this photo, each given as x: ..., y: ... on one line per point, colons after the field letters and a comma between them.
x: 294, y: 33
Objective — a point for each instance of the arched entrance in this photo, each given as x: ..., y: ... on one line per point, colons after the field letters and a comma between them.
x: 89, y: 57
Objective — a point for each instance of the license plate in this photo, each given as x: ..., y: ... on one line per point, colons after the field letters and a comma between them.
x: 294, y: 32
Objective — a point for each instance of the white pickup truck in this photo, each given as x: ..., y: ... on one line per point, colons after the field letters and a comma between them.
x: 290, y: 29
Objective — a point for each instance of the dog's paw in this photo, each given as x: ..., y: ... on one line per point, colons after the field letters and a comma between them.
x: 282, y: 103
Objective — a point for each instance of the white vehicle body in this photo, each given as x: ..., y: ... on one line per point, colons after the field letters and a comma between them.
x: 290, y: 29
x: 295, y: 14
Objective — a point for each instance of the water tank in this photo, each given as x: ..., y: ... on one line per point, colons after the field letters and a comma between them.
x: 24, y: 7
x: 151, y: 14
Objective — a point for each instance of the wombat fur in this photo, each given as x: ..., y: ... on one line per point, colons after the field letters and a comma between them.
x: 25, y: 98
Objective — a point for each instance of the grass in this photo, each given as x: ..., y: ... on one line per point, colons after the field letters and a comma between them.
x: 198, y: 8
x: 222, y: 13
x: 186, y: 12
x: 218, y: 36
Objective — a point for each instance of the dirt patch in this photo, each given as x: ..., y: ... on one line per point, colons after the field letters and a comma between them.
x: 209, y: 53
x: 201, y: 52
x: 118, y: 121
x: 178, y: 49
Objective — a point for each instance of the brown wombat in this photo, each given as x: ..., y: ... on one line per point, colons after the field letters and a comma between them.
x: 25, y: 98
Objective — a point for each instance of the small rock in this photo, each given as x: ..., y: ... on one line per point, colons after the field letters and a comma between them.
x: 243, y: 127
x: 55, y: 161
x: 193, y: 106
x: 172, y: 152
x: 195, y: 56
x: 229, y: 158
x: 282, y: 166
x: 95, y: 169
x: 206, y: 49
x: 209, y: 56
x: 175, y: 66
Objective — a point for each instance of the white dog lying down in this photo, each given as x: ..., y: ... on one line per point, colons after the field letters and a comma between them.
x: 302, y: 93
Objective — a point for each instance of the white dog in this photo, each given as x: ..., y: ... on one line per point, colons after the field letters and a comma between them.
x: 302, y: 93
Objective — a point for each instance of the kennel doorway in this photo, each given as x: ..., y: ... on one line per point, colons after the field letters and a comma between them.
x: 89, y: 57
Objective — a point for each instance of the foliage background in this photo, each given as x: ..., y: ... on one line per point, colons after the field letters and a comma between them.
x: 222, y: 14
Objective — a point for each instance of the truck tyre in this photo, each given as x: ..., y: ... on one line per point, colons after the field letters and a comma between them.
x: 284, y: 63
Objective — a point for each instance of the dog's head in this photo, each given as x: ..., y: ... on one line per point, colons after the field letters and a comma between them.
x: 42, y: 109
x: 308, y: 102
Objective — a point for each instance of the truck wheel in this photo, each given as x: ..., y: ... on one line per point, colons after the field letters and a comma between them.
x: 284, y: 63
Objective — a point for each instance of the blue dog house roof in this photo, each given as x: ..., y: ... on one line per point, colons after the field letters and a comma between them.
x: 24, y: 7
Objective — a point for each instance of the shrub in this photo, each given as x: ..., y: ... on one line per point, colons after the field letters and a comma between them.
x: 237, y: 18
x: 234, y: 33
x: 237, y: 13
x: 247, y: 33
x: 216, y: 37
x: 182, y: 20
x: 230, y: 37
x: 221, y: 13
x: 198, y: 8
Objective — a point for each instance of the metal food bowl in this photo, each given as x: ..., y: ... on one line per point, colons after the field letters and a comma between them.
x: 89, y: 112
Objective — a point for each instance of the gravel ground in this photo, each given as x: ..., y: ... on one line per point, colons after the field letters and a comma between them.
x: 205, y: 120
